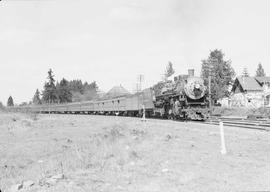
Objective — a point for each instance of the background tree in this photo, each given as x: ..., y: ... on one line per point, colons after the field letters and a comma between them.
x: 2, y: 107
x: 10, y: 102
x: 49, y: 94
x: 36, y: 99
x: 221, y: 72
x: 23, y: 104
x: 90, y: 91
x: 63, y: 91
x: 76, y: 86
x: 245, y: 72
x: 83, y: 91
x: 169, y: 70
x: 260, y: 71
x: 68, y: 91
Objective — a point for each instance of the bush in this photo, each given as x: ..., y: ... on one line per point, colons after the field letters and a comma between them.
x: 225, y: 111
x: 261, y: 112
x: 254, y: 113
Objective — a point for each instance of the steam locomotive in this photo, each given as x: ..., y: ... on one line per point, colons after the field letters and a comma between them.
x: 181, y: 98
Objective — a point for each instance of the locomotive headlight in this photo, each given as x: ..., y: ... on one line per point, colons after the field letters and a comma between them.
x: 197, y: 85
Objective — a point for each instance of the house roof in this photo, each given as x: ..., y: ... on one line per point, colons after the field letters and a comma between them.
x: 117, y: 91
x: 262, y: 80
x: 248, y: 83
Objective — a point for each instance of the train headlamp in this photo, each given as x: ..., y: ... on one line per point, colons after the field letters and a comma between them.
x: 197, y: 86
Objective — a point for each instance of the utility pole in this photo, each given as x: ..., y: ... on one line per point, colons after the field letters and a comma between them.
x: 140, y: 79
x: 212, y: 60
x: 209, y: 87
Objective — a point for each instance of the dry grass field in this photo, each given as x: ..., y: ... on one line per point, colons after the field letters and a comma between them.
x: 113, y: 154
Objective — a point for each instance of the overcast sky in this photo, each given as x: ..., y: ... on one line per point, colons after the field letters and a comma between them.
x: 112, y: 41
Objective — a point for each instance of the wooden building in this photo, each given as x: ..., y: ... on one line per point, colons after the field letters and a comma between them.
x: 250, y: 92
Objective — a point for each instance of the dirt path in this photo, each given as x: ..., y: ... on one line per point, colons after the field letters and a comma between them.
x: 98, y: 153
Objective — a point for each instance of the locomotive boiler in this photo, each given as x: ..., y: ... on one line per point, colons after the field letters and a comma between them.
x: 182, y: 98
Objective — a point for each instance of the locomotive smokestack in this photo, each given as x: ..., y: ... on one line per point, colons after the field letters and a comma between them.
x: 191, y: 72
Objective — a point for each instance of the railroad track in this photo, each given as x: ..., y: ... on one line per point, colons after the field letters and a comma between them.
x: 259, y: 124
x: 241, y: 122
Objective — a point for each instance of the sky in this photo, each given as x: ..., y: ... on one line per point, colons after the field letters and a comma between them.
x: 113, y: 41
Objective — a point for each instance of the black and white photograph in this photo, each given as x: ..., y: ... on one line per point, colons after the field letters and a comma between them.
x: 134, y: 96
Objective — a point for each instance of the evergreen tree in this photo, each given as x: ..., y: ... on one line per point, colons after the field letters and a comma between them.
x: 90, y: 91
x: 245, y: 72
x: 36, y: 99
x: 49, y: 94
x: 23, y: 104
x: 260, y: 71
x: 76, y: 86
x: 63, y: 91
x: 91, y: 86
x: 169, y: 70
x: 83, y: 91
x: 10, y: 102
x: 220, y: 71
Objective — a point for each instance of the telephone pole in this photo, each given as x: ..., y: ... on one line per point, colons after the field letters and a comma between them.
x: 210, y: 67
x: 140, y: 79
x: 209, y: 87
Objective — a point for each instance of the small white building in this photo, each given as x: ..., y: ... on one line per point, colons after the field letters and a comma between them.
x: 250, y: 92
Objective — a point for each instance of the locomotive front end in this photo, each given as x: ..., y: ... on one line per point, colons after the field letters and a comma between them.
x: 183, y: 98
x: 194, y: 88
x: 195, y: 92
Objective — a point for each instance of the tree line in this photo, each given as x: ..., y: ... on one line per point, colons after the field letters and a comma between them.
x: 64, y: 91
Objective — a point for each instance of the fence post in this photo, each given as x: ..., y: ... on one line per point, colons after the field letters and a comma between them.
x: 222, y: 138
